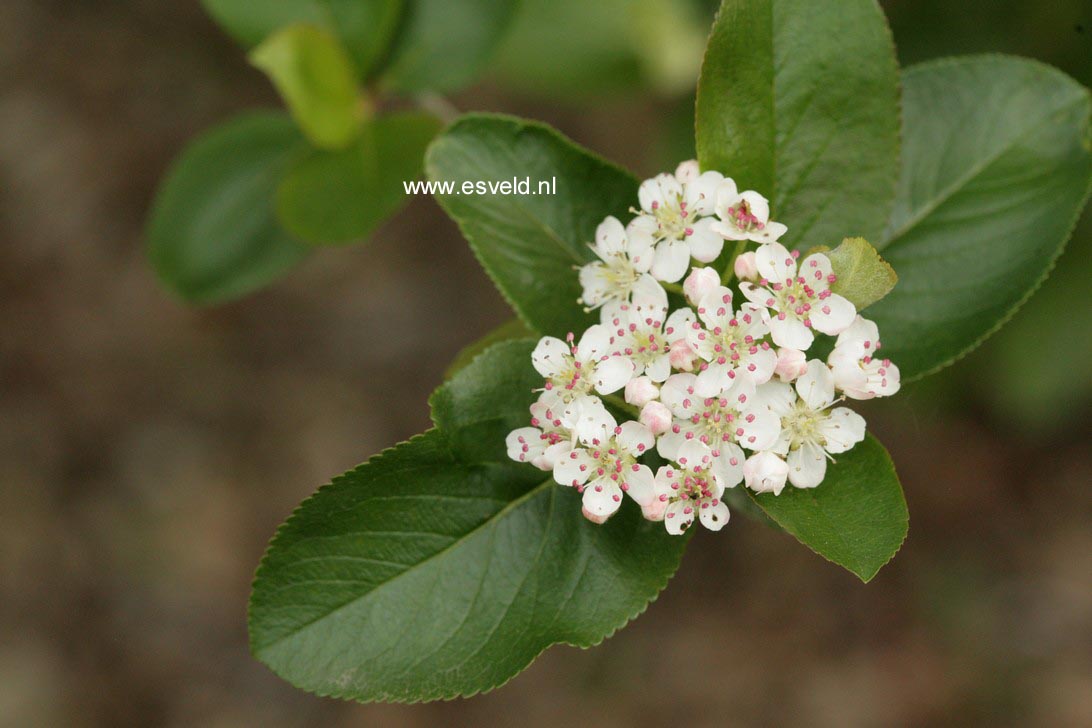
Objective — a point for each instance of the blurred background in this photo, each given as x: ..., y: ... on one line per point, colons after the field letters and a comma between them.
x: 148, y: 450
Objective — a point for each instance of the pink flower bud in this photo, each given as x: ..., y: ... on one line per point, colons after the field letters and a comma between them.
x: 688, y: 171
x: 640, y: 391
x: 594, y: 518
x: 791, y: 363
x: 698, y: 283
x: 654, y: 509
x: 682, y: 356
x: 745, y: 267
x: 656, y: 417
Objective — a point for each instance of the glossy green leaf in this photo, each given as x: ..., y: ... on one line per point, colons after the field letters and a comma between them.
x: 441, y: 45
x: 799, y: 101
x: 530, y: 243
x: 856, y: 517
x: 316, y: 79
x: 212, y: 235
x: 338, y: 196
x: 997, y: 165
x: 514, y: 329
x: 863, y: 276
x: 436, y: 570
x: 475, y: 406
x: 365, y: 26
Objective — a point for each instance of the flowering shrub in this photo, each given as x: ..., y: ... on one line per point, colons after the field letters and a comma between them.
x: 693, y: 363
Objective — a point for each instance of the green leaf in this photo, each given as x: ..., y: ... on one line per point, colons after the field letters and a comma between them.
x: 435, y: 570
x: 316, y: 78
x: 514, y: 329
x: 529, y: 244
x: 441, y: 44
x: 212, y: 235
x: 365, y: 26
x: 997, y: 165
x: 475, y: 405
x: 340, y: 196
x: 799, y: 101
x: 863, y: 276
x: 856, y: 517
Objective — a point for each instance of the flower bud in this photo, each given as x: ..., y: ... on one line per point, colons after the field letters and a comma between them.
x: 656, y: 417
x: 765, y: 472
x: 688, y: 171
x: 791, y: 363
x: 594, y: 518
x: 640, y: 391
x: 698, y: 283
x: 654, y: 509
x: 745, y: 267
x: 682, y: 356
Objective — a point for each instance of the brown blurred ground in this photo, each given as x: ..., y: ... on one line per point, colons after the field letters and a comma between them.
x: 148, y: 451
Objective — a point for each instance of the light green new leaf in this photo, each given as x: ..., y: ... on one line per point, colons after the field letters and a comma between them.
x: 435, y: 570
x: 863, y: 276
x: 529, y: 244
x: 798, y: 100
x: 856, y: 517
x: 317, y: 81
x: 997, y: 165
x: 212, y: 235
x: 365, y: 26
x: 441, y: 45
x: 339, y: 196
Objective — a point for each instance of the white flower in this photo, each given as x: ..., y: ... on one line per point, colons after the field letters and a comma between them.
x: 641, y: 335
x: 745, y: 216
x: 641, y: 390
x: 791, y: 363
x: 745, y: 267
x: 724, y: 422
x: 809, y: 432
x: 690, y: 489
x: 731, y: 342
x: 604, y: 465
x: 622, y: 262
x: 698, y: 283
x: 765, y: 472
x: 800, y: 300
x: 656, y: 417
x: 552, y: 433
x: 676, y: 217
x: 858, y: 370
x: 574, y: 371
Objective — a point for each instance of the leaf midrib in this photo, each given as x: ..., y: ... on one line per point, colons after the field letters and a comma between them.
x: 439, y: 554
x: 974, y: 171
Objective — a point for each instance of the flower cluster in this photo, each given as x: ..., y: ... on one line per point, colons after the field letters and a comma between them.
x: 724, y: 388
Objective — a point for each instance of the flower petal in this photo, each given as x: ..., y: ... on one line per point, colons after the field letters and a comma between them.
x: 833, y: 314
x: 816, y: 385
x: 713, y: 517
x: 678, y: 517
x: 728, y: 464
x: 790, y: 332
x: 635, y: 438
x: 807, y: 466
x: 575, y: 468
x: 765, y: 472
x: 612, y: 374
x: 774, y: 263
x: 670, y: 261
x: 610, y: 238
x: 705, y: 243
x: 639, y: 485
x: 602, y: 497
x: 550, y: 357
x: 525, y: 444
x: 843, y: 429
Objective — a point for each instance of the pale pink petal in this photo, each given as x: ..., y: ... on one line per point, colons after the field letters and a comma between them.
x: 833, y: 314
x: 760, y: 428
x: 701, y: 193
x: 774, y: 263
x: 705, y: 243
x: 574, y: 468
x: 713, y: 517
x: 602, y: 497
x: 635, y: 438
x: 639, y: 485
x: 612, y: 374
x: 765, y: 472
x: 816, y: 271
x: 678, y: 516
x: 610, y: 238
x: 525, y: 444
x: 728, y: 464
